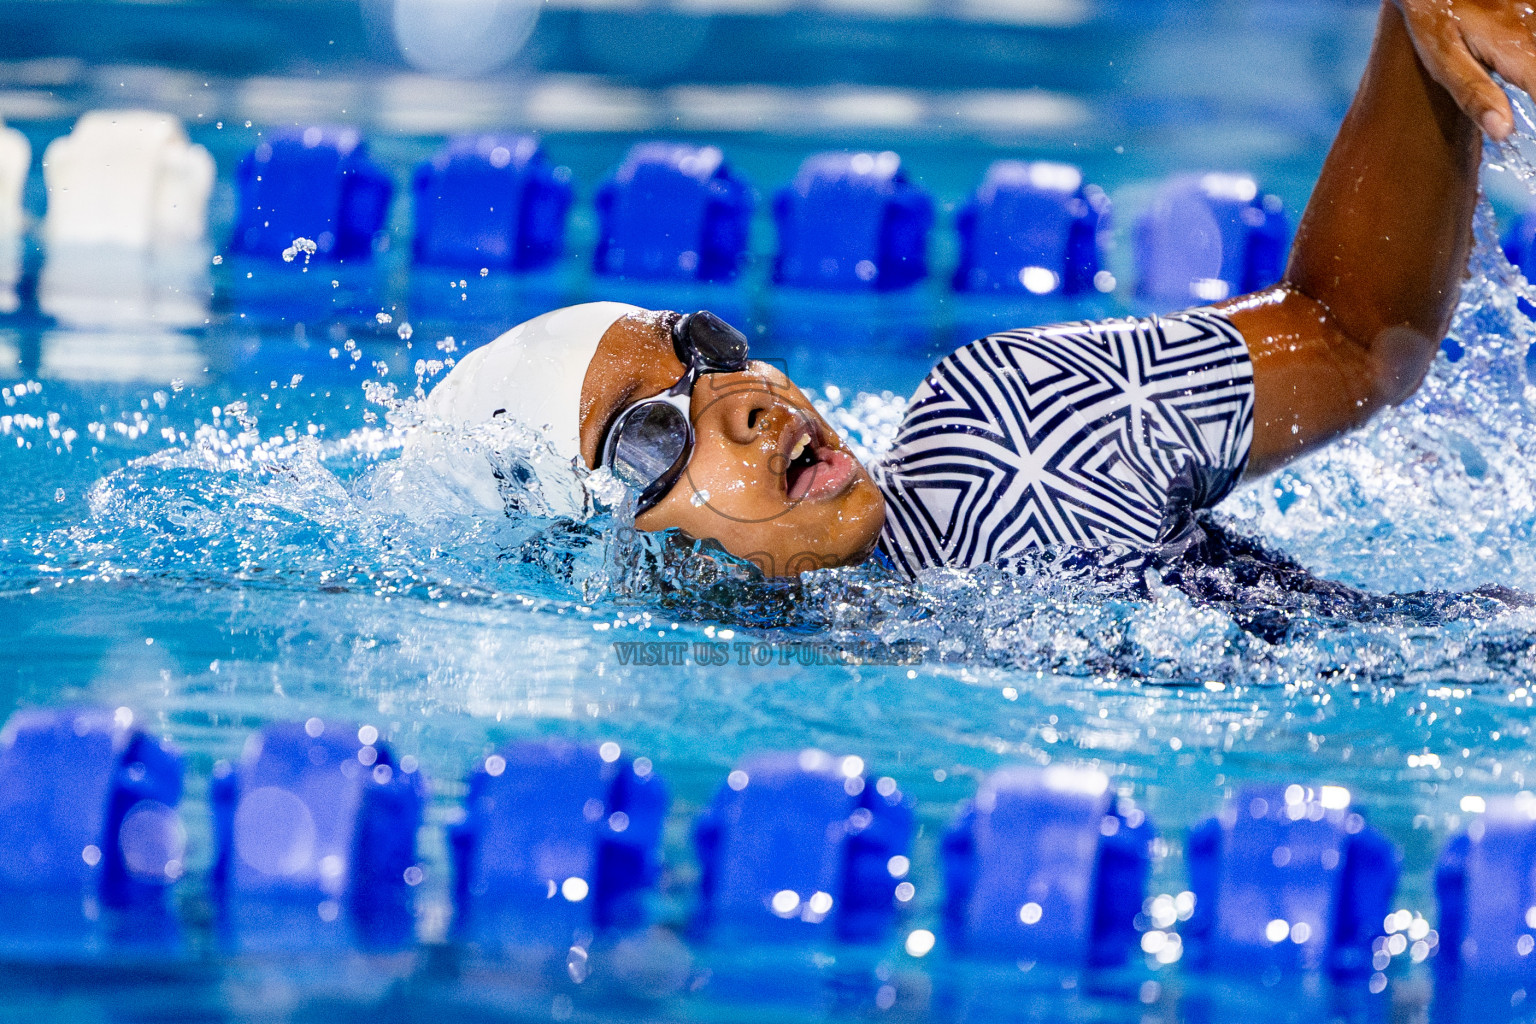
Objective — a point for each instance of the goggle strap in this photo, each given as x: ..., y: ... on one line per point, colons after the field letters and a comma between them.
x: 682, y: 345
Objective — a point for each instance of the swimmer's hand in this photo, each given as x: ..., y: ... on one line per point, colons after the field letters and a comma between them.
x: 1461, y: 41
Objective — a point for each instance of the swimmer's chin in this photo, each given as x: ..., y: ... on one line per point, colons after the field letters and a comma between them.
x: 855, y: 535
x: 862, y: 555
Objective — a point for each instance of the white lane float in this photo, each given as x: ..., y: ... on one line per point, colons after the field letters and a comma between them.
x: 127, y: 216
x: 128, y: 178
x: 15, y: 158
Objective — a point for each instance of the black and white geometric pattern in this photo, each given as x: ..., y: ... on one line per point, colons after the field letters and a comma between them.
x: 1102, y: 436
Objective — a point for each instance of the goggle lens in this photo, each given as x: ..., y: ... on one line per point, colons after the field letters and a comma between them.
x: 704, y: 339
x: 649, y: 441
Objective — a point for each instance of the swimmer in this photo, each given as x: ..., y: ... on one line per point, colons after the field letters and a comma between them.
x: 1104, y: 436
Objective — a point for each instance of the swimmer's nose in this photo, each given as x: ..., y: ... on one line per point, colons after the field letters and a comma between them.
x: 747, y: 415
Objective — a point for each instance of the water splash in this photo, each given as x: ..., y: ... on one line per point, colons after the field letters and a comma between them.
x: 1435, y: 495
x: 1441, y: 491
x: 363, y: 513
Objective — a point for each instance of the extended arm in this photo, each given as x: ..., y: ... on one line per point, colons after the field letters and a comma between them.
x: 1379, y: 256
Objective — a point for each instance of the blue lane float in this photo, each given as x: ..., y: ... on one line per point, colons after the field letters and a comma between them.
x: 315, y: 833
x: 803, y: 846
x: 1290, y: 879
x: 1207, y: 237
x: 315, y: 183
x: 1519, y: 242
x: 1046, y: 864
x: 673, y: 212
x: 852, y: 222
x: 494, y: 201
x: 559, y: 843
x: 1485, y: 882
x: 1519, y: 246
x: 90, y: 840
x: 1033, y: 229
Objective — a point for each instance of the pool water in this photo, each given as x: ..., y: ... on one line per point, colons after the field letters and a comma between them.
x: 212, y: 523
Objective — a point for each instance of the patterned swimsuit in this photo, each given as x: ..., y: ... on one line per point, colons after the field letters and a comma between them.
x: 1103, y: 436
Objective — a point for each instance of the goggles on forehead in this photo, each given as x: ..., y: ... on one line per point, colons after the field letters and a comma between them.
x: 650, y: 442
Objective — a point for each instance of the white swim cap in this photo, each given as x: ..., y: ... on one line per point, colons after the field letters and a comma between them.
x: 532, y: 373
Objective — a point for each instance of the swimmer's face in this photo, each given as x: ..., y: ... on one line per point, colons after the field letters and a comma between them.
x: 769, y: 480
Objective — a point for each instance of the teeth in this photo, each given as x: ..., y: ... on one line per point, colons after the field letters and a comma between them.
x: 799, y: 448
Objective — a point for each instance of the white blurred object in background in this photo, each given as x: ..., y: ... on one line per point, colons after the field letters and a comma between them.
x: 128, y: 178
x: 10, y: 273
x: 15, y: 158
x: 117, y: 287
x: 459, y: 38
x: 121, y: 357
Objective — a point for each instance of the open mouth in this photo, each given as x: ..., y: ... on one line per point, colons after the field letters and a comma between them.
x: 814, y: 470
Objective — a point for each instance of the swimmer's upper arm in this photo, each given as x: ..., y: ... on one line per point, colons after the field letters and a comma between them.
x: 1311, y: 381
x: 1376, y: 267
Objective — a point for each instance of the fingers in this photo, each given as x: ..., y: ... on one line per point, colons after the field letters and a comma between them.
x: 1449, y: 62
x: 1513, y: 56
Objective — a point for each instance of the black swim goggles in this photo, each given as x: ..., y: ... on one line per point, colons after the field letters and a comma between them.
x: 650, y: 442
